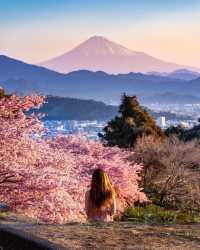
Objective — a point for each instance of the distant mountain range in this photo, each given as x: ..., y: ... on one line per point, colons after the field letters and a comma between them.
x: 182, y: 74
x: 170, y: 98
x: 17, y: 76
x: 100, y: 54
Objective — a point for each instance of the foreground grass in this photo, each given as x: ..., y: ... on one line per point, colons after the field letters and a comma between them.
x: 3, y: 215
x: 156, y: 214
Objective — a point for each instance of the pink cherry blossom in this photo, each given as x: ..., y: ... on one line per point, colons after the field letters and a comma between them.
x: 47, y: 178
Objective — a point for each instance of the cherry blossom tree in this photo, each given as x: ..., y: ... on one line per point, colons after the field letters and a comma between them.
x: 46, y: 178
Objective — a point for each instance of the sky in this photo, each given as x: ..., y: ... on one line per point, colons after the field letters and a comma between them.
x: 37, y: 30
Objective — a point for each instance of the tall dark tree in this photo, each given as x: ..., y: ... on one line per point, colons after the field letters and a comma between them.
x: 132, y: 122
x: 2, y: 92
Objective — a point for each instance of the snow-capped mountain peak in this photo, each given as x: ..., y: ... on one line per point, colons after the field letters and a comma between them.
x: 100, y: 54
x: 98, y: 45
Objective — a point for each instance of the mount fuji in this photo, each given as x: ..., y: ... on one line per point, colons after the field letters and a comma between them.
x: 100, y: 54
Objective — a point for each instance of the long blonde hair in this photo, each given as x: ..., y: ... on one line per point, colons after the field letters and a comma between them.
x: 101, y: 192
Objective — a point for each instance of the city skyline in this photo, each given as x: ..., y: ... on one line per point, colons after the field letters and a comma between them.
x: 34, y: 31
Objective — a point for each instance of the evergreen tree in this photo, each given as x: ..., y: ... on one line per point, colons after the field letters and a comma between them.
x: 177, y: 131
x: 184, y: 134
x: 133, y: 122
x: 2, y: 92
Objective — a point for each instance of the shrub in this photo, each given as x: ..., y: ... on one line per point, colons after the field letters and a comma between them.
x: 184, y: 134
x: 171, y: 174
x: 156, y: 214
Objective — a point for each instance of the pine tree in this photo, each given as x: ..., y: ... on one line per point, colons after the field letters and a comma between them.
x: 133, y: 122
x: 2, y: 92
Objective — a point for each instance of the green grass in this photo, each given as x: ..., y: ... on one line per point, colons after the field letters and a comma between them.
x: 156, y: 214
x: 3, y: 215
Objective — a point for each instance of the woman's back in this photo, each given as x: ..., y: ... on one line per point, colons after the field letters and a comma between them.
x: 100, y: 203
x: 103, y: 214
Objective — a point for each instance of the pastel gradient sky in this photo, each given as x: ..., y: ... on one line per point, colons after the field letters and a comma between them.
x: 36, y: 30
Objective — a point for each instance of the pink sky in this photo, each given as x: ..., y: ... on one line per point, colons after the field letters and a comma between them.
x: 169, y: 35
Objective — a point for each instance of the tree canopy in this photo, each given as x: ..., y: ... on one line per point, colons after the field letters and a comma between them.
x: 132, y: 122
x: 2, y: 93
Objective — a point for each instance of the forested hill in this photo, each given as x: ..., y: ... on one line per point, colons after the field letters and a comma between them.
x: 65, y: 108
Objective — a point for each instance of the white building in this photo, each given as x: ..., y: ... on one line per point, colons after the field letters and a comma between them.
x: 161, y: 121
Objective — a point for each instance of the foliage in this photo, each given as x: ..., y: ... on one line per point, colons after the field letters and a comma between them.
x: 184, y: 134
x: 133, y: 122
x: 171, y: 176
x: 47, y: 178
x: 155, y: 214
x: 174, y: 130
x: 2, y: 93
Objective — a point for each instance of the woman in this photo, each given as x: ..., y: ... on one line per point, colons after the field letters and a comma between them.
x: 100, y: 202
